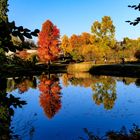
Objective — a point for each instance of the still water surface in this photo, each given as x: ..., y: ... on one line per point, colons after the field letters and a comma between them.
x: 60, y: 106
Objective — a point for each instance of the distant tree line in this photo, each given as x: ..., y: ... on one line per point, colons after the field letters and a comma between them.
x: 100, y: 45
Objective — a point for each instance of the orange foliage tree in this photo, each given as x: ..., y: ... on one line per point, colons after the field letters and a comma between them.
x: 50, y: 97
x: 65, y: 45
x: 48, y: 42
x: 76, y: 46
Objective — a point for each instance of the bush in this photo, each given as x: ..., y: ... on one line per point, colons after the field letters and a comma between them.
x: 137, y: 54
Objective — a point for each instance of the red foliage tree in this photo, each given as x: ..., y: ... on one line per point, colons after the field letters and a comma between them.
x: 48, y: 42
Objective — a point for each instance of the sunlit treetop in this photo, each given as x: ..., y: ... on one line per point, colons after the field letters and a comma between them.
x: 48, y: 42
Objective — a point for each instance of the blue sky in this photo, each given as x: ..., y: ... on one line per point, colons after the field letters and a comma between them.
x: 75, y: 16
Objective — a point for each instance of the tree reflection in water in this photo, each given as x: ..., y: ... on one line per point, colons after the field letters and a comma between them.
x: 123, y: 134
x: 24, y: 83
x: 7, y: 102
x: 21, y: 83
x: 104, y: 88
x: 105, y: 92
x: 50, y: 97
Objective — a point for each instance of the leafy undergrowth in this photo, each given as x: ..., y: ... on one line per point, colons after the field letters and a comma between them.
x: 123, y: 134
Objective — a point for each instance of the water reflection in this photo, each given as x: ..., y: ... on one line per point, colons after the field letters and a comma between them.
x: 7, y: 102
x: 50, y: 97
x: 21, y: 83
x: 126, y: 80
x: 137, y: 82
x: 103, y: 93
x: 24, y: 83
x: 81, y: 79
x: 103, y: 87
x: 122, y: 134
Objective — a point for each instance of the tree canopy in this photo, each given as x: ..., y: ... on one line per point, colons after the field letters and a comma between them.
x: 48, y: 42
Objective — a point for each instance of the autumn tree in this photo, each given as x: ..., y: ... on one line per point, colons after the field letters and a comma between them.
x: 137, y: 54
x: 48, y: 42
x: 128, y: 47
x: 76, y: 46
x: 105, y: 28
x: 65, y: 45
x: 86, y: 38
x: 88, y: 50
x: 105, y: 34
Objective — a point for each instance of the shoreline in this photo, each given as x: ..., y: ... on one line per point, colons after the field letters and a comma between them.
x: 119, y: 70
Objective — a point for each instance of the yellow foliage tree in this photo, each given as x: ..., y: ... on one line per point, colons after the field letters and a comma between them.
x: 65, y: 45
x: 105, y: 34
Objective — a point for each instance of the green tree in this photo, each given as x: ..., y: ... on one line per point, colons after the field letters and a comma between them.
x: 105, y: 34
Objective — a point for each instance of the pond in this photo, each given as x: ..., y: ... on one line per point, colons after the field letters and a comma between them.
x: 67, y: 106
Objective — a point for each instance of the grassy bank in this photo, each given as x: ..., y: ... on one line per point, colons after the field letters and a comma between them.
x: 80, y: 67
x: 123, y: 70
